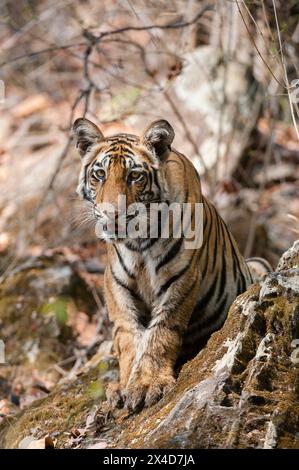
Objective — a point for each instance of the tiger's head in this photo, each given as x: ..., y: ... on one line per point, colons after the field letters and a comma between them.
x: 121, y: 165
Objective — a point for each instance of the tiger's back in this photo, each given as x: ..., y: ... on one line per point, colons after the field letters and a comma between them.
x: 223, y: 271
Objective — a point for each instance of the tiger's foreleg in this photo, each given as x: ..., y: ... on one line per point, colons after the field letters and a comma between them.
x: 152, y: 372
x: 126, y: 332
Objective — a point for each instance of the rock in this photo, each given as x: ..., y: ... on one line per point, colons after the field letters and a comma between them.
x: 240, y: 391
x: 290, y: 259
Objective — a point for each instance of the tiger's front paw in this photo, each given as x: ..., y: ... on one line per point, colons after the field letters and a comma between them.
x: 141, y: 394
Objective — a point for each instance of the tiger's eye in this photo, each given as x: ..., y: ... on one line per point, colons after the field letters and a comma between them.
x: 99, y: 174
x: 136, y: 176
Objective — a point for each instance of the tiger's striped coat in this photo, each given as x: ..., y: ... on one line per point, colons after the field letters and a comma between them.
x: 164, y: 300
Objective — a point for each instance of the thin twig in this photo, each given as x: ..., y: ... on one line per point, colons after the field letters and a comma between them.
x: 178, y: 25
x: 61, y: 159
x: 42, y: 51
x: 256, y: 24
x: 256, y: 48
x: 285, y: 69
x: 96, y: 39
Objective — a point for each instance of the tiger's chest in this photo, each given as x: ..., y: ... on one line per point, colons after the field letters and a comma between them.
x: 139, y: 270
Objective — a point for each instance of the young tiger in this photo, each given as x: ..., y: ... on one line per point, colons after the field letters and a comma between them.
x: 164, y: 300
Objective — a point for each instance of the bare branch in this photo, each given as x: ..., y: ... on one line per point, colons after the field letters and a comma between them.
x: 96, y: 39
x: 256, y: 48
x: 61, y: 158
x: 285, y: 69
x: 179, y: 25
x: 42, y: 51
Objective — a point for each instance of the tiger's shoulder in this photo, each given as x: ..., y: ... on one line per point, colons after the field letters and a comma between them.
x: 182, y: 178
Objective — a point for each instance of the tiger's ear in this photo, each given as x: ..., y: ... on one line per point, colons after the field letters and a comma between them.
x: 159, y: 136
x: 86, y: 134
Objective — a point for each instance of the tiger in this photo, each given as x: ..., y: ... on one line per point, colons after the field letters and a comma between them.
x: 164, y: 300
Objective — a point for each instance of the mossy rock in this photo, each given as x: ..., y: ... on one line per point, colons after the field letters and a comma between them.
x: 64, y: 411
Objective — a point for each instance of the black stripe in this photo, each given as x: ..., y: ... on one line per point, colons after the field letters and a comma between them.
x: 85, y: 189
x: 118, y: 156
x: 186, y: 195
x: 121, y: 141
x: 136, y: 165
x: 210, y: 218
x: 216, y: 232
x: 182, y: 298
x: 222, y: 277
x: 234, y: 253
x: 127, y: 271
x: 131, y: 247
x: 141, y: 248
x: 195, y: 328
x: 210, y: 320
x: 174, y: 278
x: 132, y: 292
x: 123, y: 159
x: 204, y: 301
x: 149, y: 244
x: 127, y: 137
x: 214, y: 256
x: 236, y: 263
x: 170, y: 254
x: 206, y: 223
x: 241, y: 284
x: 205, y: 269
x: 86, y: 194
x: 150, y: 178
x: 112, y: 148
x: 217, y: 222
x: 187, y: 293
x: 104, y: 160
x: 176, y: 328
x: 262, y: 261
x: 112, y: 152
x: 127, y: 151
x: 221, y: 228
x: 156, y: 179
x: 164, y: 323
x: 97, y: 166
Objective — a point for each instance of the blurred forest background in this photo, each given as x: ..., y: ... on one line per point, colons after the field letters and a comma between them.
x: 224, y: 73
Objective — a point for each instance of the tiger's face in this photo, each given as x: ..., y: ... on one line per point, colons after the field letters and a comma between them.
x: 121, y: 171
